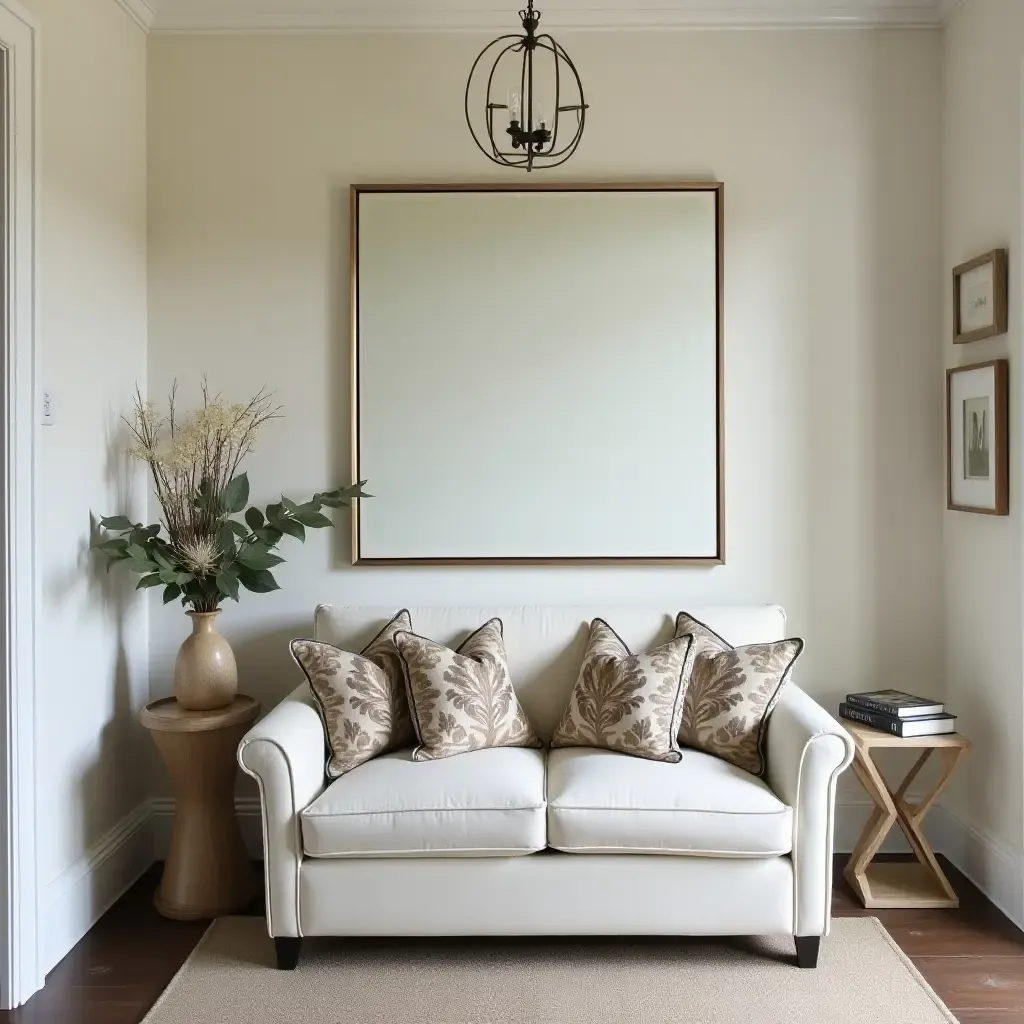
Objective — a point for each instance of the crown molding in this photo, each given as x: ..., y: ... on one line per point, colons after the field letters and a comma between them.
x: 327, y: 16
x: 140, y: 12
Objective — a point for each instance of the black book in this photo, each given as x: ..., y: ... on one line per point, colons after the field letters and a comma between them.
x: 896, y: 703
x: 925, y: 725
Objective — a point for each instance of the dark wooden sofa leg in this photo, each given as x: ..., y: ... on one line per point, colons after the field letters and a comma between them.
x: 807, y: 947
x: 287, y: 949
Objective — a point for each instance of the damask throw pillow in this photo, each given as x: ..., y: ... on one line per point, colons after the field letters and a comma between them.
x: 732, y: 693
x: 361, y: 696
x: 628, y: 702
x: 462, y: 700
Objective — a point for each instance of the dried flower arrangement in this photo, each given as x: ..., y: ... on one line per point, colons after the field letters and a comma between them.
x: 207, y: 554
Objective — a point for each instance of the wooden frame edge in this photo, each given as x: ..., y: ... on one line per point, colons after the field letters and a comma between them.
x: 999, y: 258
x: 716, y: 187
x: 1001, y: 382
x: 683, y: 561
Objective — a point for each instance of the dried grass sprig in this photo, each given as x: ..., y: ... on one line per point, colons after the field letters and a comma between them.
x: 196, y: 456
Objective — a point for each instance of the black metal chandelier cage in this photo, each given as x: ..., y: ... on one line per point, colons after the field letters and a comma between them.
x: 537, y: 125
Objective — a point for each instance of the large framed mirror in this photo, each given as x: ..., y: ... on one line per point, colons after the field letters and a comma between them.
x: 537, y: 373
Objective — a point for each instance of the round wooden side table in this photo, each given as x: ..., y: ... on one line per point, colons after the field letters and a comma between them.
x: 208, y: 871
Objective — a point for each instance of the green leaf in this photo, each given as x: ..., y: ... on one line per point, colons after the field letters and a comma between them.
x: 226, y: 541
x: 149, y: 581
x: 119, y: 524
x: 254, y: 517
x: 175, y: 576
x: 137, y: 552
x: 227, y: 583
x: 350, y: 492
x: 141, y: 567
x: 171, y: 592
x: 289, y: 504
x: 162, y: 559
x: 314, y: 520
x: 314, y: 503
x: 256, y: 557
x: 236, y: 494
x: 293, y: 528
x: 206, y: 499
x: 114, y: 548
x: 270, y: 535
x: 275, y: 510
x: 261, y: 582
x: 237, y: 528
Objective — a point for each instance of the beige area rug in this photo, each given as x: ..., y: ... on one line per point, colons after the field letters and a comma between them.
x: 862, y: 978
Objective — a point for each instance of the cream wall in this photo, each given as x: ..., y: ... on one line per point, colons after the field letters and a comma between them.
x: 984, y: 60
x: 829, y: 143
x: 92, y: 670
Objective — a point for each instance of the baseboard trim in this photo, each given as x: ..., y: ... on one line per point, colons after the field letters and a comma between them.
x: 990, y: 862
x: 81, y: 894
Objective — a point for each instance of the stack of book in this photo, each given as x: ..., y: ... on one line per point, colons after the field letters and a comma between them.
x: 897, y: 712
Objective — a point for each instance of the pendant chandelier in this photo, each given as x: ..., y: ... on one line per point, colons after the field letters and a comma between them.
x: 531, y: 100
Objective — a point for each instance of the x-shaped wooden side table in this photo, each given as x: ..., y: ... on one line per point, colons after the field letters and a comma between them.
x: 890, y: 884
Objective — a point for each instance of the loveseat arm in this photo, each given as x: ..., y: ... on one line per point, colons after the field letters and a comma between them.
x: 285, y: 755
x: 807, y: 750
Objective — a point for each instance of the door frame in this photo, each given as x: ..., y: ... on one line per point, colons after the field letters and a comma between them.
x: 20, y: 968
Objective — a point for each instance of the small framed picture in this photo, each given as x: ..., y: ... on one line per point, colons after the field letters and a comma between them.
x: 980, y: 305
x: 977, y: 440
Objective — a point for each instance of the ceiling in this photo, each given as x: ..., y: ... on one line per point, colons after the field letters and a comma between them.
x: 454, y: 15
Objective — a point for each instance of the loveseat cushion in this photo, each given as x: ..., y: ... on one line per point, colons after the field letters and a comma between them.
x: 486, y: 803
x: 604, y: 802
x: 361, y: 697
x: 462, y: 700
x: 732, y: 693
x: 632, y: 703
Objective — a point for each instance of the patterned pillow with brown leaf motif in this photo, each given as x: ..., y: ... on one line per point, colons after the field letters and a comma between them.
x: 462, y: 700
x: 732, y: 693
x: 628, y: 702
x: 361, y: 696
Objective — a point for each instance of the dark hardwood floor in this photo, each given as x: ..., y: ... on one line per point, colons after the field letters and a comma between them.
x: 973, y: 957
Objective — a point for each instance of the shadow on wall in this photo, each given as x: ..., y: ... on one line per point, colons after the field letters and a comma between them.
x: 107, y: 781
x: 266, y: 670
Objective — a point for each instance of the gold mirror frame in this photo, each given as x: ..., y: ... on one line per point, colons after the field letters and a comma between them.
x: 717, y: 188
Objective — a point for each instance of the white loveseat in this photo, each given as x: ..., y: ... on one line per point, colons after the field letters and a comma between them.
x: 547, y: 842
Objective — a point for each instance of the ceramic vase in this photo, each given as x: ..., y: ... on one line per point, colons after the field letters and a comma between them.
x: 205, y: 674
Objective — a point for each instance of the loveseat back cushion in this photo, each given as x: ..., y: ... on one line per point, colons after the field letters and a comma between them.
x: 604, y: 802
x: 485, y: 803
x: 544, y: 644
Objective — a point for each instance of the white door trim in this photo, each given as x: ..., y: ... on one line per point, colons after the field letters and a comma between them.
x: 20, y: 973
